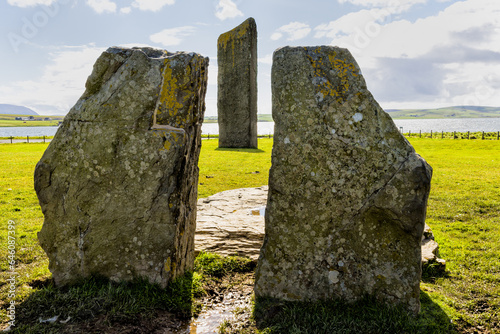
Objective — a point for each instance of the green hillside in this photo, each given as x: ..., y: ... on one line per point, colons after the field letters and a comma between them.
x: 7, y: 120
x: 448, y: 112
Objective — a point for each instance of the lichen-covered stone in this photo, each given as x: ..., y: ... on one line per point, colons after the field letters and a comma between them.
x: 347, y: 192
x: 430, y: 252
x: 237, y: 86
x: 117, y: 185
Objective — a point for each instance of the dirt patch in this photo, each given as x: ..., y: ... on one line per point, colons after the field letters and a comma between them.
x: 228, y: 301
x: 228, y: 304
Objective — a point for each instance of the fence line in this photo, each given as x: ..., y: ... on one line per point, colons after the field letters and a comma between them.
x: 484, y: 135
x: 455, y: 135
x: 17, y: 139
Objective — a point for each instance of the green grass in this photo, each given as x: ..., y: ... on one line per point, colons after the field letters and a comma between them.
x: 463, y: 211
x: 218, y: 266
x: 97, y: 297
x: 224, y: 169
x: 336, y: 316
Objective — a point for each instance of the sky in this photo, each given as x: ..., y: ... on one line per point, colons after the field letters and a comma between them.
x: 412, y: 53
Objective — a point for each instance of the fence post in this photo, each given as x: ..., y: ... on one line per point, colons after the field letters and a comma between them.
x: 11, y: 139
x: 409, y: 133
x: 498, y: 135
x: 468, y: 133
x: 431, y: 134
x: 483, y: 135
x: 454, y: 136
x: 44, y: 139
x: 27, y: 139
x: 420, y: 133
x: 442, y: 134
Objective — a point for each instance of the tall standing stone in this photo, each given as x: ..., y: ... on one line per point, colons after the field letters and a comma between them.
x: 118, y: 184
x: 347, y: 192
x: 237, y: 86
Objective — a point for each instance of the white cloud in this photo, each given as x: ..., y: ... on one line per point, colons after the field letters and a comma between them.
x: 443, y: 59
x: 125, y: 10
x: 102, y: 6
x: 385, y: 3
x: 294, y: 30
x: 172, y: 36
x: 350, y: 23
x: 226, y: 9
x: 30, y: 3
x: 61, y: 84
x: 267, y: 59
x: 152, y: 5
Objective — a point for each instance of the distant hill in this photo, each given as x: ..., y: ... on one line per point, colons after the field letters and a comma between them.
x: 448, y: 112
x: 10, y: 109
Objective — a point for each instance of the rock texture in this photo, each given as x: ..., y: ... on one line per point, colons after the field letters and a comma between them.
x: 347, y: 192
x: 237, y: 86
x: 232, y: 223
x: 430, y: 251
x: 117, y: 185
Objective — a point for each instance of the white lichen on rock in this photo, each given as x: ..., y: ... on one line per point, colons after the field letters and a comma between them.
x: 116, y: 183
x: 347, y: 194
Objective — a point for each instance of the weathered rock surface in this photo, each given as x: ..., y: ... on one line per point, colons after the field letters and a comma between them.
x: 347, y: 192
x: 117, y: 183
x: 237, y: 86
x: 232, y: 223
x: 430, y: 251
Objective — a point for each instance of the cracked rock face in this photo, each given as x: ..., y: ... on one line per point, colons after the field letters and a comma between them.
x: 237, y: 86
x: 347, y: 192
x: 117, y: 185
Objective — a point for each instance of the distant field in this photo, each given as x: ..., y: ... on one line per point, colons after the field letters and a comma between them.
x: 10, y: 121
x: 449, y: 112
x: 438, y: 113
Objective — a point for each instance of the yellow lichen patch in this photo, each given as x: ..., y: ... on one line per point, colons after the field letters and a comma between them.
x: 342, y: 69
x: 168, y: 96
x: 237, y: 32
x: 231, y: 36
x: 167, y: 145
x: 168, y: 265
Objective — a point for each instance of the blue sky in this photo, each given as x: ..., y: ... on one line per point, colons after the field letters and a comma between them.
x: 413, y: 53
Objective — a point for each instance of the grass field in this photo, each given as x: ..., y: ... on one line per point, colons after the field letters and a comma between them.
x: 10, y: 121
x: 463, y: 211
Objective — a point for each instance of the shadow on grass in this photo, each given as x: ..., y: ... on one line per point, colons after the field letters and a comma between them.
x: 97, y: 303
x: 432, y: 271
x: 246, y: 150
x: 335, y: 316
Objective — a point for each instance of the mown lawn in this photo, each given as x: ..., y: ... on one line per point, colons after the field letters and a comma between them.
x: 463, y: 211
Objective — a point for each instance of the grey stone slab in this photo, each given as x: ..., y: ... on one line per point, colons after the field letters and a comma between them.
x: 237, y: 86
x: 117, y: 184
x: 347, y: 192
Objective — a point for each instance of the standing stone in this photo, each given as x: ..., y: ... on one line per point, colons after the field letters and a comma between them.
x: 347, y: 192
x: 117, y: 185
x: 237, y: 86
